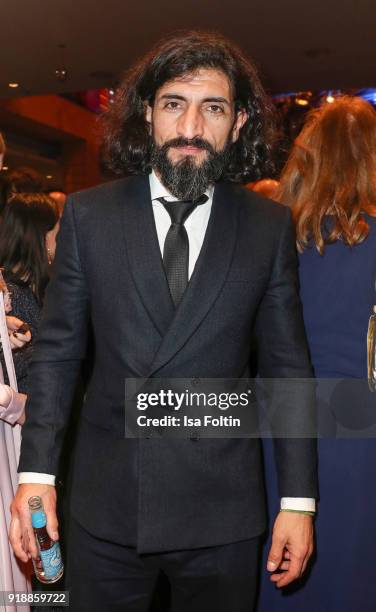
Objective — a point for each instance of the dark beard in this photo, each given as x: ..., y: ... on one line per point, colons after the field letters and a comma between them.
x: 185, y: 179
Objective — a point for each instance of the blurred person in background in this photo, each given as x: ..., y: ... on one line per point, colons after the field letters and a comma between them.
x: 26, y: 180
x: 21, y: 180
x: 28, y: 230
x: 14, y: 576
x: 27, y: 247
x: 330, y: 184
x: 11, y: 402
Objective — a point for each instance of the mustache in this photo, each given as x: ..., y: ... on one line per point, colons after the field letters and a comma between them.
x: 197, y: 142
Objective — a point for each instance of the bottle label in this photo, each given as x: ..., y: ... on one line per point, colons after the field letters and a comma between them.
x: 51, y: 560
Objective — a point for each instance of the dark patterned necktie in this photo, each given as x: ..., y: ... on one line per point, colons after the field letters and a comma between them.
x: 176, y: 246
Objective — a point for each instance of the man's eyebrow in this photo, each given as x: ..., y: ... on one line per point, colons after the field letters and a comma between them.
x: 217, y: 99
x: 172, y: 96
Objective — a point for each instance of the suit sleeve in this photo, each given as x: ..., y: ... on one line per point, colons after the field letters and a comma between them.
x: 58, y: 352
x: 284, y: 364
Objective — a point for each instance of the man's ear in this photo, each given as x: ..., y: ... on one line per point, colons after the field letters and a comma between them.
x: 148, y: 113
x: 240, y: 120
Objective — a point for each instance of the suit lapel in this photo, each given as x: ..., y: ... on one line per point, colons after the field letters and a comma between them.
x: 208, y: 277
x: 144, y: 254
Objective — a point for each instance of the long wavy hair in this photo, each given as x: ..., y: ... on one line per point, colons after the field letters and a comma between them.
x: 329, y: 180
x: 26, y: 219
x: 126, y: 139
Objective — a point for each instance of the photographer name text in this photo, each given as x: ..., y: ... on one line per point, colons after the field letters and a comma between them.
x: 185, y: 421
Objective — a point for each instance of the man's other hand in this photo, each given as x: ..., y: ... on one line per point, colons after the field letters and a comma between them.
x: 21, y: 533
x: 292, y: 546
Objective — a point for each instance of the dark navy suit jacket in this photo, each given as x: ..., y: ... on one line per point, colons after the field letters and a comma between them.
x: 160, y: 494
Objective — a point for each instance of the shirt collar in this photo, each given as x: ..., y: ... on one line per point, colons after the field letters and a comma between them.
x: 158, y: 190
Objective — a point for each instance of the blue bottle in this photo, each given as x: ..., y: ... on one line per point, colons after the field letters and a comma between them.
x: 49, y: 566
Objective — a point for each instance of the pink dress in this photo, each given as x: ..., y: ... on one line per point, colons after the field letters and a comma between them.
x: 14, y: 575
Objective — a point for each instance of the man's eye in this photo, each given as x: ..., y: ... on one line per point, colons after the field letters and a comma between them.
x: 172, y: 105
x: 215, y: 109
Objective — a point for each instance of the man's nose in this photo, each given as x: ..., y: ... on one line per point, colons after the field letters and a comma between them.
x: 191, y: 123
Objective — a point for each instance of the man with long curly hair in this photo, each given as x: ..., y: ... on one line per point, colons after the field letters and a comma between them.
x: 181, y: 272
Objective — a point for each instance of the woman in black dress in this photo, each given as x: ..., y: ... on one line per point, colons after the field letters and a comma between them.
x: 28, y: 228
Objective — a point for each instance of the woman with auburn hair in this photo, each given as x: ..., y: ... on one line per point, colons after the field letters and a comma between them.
x: 332, y: 172
x: 329, y: 182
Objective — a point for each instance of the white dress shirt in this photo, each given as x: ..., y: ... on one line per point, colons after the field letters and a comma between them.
x: 195, y: 225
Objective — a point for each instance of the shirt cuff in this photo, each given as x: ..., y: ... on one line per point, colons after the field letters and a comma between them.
x: 36, y: 478
x: 306, y: 504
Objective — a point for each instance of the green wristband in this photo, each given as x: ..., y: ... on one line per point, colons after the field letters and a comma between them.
x: 308, y: 512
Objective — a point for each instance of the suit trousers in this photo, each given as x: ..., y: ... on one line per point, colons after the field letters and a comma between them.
x: 104, y: 576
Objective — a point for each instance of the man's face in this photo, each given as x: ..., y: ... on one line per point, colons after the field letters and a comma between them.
x: 193, y: 124
x: 199, y: 106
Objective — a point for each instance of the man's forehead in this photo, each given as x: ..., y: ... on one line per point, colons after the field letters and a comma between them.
x: 201, y: 79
